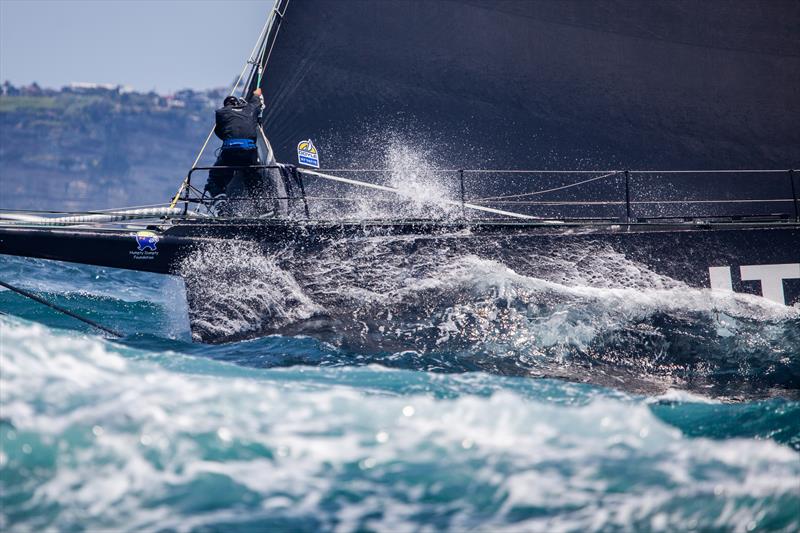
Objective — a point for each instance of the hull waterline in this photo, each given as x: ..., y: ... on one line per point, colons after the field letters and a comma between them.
x: 756, y: 258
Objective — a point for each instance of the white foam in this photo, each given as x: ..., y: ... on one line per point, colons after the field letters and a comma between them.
x: 550, y: 312
x: 161, y: 433
x: 568, y: 296
x: 681, y: 396
x: 235, y: 289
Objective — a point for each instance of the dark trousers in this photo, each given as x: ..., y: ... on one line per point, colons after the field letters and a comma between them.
x: 220, y: 179
x: 248, y: 190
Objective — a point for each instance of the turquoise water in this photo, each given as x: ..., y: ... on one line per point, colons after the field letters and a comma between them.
x: 289, y: 432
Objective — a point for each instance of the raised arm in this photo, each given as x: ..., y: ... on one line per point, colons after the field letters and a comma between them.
x: 256, y: 100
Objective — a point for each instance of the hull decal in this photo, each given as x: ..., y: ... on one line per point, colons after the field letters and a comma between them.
x: 770, y: 276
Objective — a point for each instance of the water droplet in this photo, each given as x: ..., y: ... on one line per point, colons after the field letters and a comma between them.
x: 26, y: 448
x: 367, y: 463
x: 644, y: 432
x: 146, y: 440
x: 467, y: 444
x: 408, y: 410
x: 382, y: 437
x: 97, y: 430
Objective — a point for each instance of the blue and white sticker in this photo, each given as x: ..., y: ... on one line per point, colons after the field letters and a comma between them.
x: 146, y: 245
x: 307, y: 154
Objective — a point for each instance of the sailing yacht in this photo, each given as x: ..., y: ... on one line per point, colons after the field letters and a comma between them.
x: 503, y: 130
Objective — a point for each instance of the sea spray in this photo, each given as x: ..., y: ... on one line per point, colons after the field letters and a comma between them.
x: 424, y: 189
x: 235, y: 289
x: 400, y: 302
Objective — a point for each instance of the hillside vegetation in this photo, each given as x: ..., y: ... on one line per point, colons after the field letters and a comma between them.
x: 70, y: 150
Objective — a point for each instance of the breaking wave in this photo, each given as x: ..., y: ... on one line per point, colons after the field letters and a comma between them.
x: 98, y: 435
x: 235, y: 290
x: 584, y: 314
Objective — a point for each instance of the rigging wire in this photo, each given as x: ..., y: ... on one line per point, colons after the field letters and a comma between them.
x: 39, y: 299
x: 385, y: 188
x: 261, y: 37
x: 271, y: 46
x: 644, y: 202
x: 534, y: 193
x: 540, y: 171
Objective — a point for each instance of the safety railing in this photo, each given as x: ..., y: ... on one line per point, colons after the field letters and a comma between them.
x: 469, y: 194
x: 621, y: 195
x: 287, y: 172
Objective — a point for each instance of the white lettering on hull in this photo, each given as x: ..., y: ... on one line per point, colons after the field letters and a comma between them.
x: 720, y: 278
x: 770, y: 276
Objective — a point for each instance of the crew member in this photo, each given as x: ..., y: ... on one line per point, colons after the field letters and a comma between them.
x: 237, y: 124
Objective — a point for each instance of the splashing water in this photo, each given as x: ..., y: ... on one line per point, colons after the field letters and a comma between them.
x: 588, y: 315
x: 387, y: 385
x: 424, y: 190
x: 419, y: 182
x: 235, y: 288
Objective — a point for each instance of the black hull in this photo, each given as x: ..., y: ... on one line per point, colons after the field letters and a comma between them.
x: 683, y: 252
x: 615, y: 305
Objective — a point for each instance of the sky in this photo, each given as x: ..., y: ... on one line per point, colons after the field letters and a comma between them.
x: 162, y: 45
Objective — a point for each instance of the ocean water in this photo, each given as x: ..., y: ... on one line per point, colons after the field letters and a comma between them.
x: 517, y: 403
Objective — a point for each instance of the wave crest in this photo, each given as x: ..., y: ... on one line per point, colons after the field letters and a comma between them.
x: 587, y: 314
x: 100, y: 436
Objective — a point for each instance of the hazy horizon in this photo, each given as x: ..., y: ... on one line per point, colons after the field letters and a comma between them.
x: 163, y: 46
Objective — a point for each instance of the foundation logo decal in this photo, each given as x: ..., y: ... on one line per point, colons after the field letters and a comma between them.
x: 146, y: 245
x: 146, y: 240
x: 307, y: 154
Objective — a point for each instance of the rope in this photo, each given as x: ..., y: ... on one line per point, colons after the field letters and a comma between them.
x: 554, y: 202
x: 645, y: 202
x: 511, y: 202
x: 448, y: 202
x: 727, y: 171
x: 746, y: 201
x: 115, y: 216
x: 606, y: 174
x: 481, y: 171
x: 550, y: 190
x: 39, y: 299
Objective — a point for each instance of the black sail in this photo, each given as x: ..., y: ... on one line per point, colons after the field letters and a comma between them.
x: 539, y: 84
x: 510, y: 84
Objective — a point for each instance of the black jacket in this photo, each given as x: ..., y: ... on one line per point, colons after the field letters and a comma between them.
x: 239, y: 122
